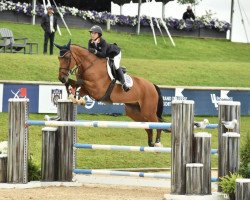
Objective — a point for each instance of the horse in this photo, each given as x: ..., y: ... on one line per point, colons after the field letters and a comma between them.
x: 143, y: 102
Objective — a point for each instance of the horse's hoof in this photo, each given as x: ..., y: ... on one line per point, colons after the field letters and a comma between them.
x: 151, y: 144
x: 72, y: 98
x: 81, y: 102
x: 168, y: 130
x: 158, y: 144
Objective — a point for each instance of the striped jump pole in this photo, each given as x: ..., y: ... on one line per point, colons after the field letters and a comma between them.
x: 102, y: 124
x: 129, y: 148
x: 126, y: 173
x: 109, y: 124
x: 122, y: 173
x: 123, y: 148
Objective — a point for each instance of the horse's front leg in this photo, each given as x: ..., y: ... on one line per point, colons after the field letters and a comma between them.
x: 150, y: 137
x: 77, y: 95
x: 80, y: 92
x: 158, y: 139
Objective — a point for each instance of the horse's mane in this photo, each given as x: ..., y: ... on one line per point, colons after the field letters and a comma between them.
x: 79, y: 46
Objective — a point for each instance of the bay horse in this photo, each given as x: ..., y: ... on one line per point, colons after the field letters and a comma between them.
x: 143, y: 102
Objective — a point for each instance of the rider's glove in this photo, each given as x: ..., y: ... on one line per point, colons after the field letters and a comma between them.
x: 92, y: 50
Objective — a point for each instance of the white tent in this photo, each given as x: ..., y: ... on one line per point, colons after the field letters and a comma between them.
x: 221, y: 10
x: 241, y: 21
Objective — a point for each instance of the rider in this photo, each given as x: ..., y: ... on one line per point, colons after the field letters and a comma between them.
x: 101, y: 48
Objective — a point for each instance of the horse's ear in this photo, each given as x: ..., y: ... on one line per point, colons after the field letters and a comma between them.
x: 69, y: 43
x: 58, y: 46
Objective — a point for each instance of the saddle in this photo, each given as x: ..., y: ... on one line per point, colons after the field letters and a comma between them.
x: 114, y: 76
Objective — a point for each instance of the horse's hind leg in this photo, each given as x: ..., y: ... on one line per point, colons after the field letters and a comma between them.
x: 133, y: 111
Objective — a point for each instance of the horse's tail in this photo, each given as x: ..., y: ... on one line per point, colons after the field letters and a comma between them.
x: 160, y: 104
x: 160, y: 108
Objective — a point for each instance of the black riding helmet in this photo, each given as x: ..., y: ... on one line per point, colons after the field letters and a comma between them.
x: 96, y: 29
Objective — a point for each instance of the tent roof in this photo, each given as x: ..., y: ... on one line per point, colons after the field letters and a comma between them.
x: 122, y: 2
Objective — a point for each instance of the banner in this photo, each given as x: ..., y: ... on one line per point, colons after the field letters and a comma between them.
x: 43, y: 99
x: 29, y: 91
x: 48, y: 96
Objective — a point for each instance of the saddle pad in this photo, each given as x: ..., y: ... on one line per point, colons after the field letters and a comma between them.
x: 128, y: 79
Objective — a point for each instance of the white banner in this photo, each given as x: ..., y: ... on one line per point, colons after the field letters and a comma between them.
x: 1, y: 97
x: 48, y: 96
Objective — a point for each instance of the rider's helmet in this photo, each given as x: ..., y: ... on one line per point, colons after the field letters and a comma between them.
x: 96, y: 29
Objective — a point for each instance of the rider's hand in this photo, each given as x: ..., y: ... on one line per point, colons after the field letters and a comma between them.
x: 92, y: 50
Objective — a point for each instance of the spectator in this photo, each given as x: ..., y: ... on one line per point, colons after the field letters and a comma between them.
x: 49, y: 25
x: 188, y: 14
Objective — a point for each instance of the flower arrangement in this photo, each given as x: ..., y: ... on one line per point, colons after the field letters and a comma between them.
x: 3, y: 149
x: 205, y: 21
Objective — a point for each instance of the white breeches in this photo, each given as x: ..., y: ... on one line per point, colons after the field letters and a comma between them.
x: 117, y: 60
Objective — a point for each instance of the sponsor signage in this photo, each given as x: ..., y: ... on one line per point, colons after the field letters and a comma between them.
x: 43, y: 99
x: 48, y: 96
x: 21, y: 91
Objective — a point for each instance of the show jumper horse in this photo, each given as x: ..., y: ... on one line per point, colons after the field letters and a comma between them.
x: 143, y: 102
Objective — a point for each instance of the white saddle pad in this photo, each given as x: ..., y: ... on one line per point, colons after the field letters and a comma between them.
x: 128, y: 79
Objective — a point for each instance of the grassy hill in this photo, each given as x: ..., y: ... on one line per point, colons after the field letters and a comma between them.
x: 193, y: 62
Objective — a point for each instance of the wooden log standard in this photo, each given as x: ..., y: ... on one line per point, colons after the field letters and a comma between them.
x: 3, y: 168
x: 66, y: 139
x: 17, y: 164
x: 202, y: 149
x: 228, y: 111
x: 194, y: 179
x: 230, y: 156
x: 182, y: 134
x: 242, y: 189
x: 49, y: 162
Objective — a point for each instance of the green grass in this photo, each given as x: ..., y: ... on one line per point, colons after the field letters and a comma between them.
x: 193, y: 62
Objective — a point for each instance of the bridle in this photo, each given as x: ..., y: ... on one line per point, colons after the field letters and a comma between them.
x: 69, y: 71
x: 75, y: 69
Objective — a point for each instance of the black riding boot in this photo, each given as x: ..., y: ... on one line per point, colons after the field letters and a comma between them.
x: 122, y: 80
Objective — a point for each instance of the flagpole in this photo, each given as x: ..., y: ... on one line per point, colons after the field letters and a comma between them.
x: 61, y: 15
x: 152, y: 26
x: 169, y: 35
x: 158, y: 26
